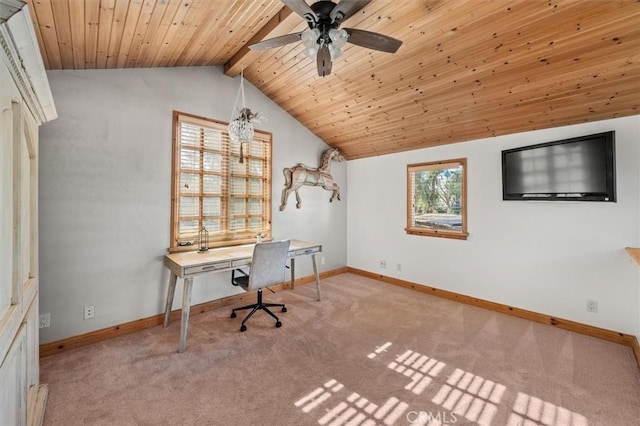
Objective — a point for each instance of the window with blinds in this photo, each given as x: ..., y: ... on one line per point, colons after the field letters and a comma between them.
x: 437, y: 199
x: 213, y: 189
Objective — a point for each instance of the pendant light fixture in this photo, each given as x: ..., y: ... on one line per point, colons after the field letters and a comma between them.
x: 241, y: 128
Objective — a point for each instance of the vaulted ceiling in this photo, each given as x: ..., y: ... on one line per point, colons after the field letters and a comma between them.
x: 467, y: 69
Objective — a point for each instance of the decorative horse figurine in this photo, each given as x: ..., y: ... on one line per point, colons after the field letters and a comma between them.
x: 300, y: 174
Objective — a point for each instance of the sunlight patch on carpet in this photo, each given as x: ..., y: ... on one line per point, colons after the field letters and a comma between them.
x: 419, y: 368
x: 461, y: 395
x: 318, y: 396
x: 351, y: 410
x: 533, y: 411
x: 379, y: 350
x: 470, y: 396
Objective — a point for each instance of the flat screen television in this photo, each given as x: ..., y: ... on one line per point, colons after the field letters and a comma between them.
x: 577, y: 169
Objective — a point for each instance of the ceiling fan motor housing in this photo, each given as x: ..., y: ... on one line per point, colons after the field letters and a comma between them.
x: 323, y: 20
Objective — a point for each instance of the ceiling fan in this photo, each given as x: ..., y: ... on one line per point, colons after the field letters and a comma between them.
x: 324, y: 39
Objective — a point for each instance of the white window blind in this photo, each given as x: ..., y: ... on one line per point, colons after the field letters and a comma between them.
x: 212, y: 188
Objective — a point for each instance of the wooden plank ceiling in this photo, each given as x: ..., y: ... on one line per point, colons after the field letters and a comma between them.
x: 467, y: 69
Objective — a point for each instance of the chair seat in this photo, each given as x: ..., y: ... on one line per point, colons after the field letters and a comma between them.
x: 242, y: 281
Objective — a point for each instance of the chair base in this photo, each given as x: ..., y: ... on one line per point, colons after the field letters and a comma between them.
x: 257, y: 307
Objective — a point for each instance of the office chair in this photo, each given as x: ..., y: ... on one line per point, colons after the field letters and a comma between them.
x: 267, y: 268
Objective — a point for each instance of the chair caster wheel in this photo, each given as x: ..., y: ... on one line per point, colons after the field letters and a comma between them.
x: 284, y: 309
x: 233, y: 314
x: 243, y: 328
x: 278, y: 324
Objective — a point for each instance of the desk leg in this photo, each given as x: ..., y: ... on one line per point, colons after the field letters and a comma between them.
x: 293, y: 273
x: 186, y: 305
x: 315, y: 273
x: 172, y: 289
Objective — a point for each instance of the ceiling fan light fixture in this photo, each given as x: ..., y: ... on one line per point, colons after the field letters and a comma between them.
x: 334, y: 51
x: 310, y: 41
x: 324, y: 39
x: 338, y: 40
x: 311, y: 52
x: 338, y: 37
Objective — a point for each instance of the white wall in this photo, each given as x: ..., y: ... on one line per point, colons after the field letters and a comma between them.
x: 548, y: 257
x: 105, y: 190
x: 105, y: 210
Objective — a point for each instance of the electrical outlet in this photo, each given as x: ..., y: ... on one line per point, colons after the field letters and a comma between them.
x: 322, y: 260
x: 592, y: 306
x: 89, y: 312
x: 45, y: 321
x: 383, y: 264
x: 399, y: 267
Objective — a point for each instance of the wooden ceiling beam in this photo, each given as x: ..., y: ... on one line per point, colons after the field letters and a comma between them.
x: 282, y: 23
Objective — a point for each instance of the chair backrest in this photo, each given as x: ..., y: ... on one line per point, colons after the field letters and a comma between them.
x: 267, y: 264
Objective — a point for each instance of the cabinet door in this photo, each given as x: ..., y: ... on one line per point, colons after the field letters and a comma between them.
x: 13, y: 392
x: 8, y: 291
x: 18, y: 259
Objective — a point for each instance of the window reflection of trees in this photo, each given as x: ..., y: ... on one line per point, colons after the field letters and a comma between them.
x: 438, y: 191
x: 436, y: 204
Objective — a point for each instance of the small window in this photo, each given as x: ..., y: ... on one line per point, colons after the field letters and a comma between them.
x: 437, y: 199
x: 213, y: 189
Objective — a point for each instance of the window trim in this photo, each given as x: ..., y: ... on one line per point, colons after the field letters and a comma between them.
x: 437, y: 165
x: 175, y: 183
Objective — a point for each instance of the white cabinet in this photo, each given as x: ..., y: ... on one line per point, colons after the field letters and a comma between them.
x: 13, y: 392
x: 25, y: 103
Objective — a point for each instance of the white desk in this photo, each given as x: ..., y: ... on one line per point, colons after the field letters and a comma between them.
x: 190, y: 264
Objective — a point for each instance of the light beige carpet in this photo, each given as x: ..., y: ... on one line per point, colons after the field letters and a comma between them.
x: 369, y: 353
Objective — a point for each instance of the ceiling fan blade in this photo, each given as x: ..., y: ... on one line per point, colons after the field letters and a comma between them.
x: 347, y: 8
x: 324, y: 61
x: 276, y: 41
x: 301, y: 8
x: 371, y: 40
